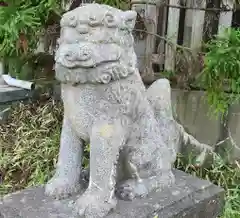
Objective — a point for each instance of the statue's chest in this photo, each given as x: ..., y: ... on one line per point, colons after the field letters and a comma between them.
x: 81, y: 107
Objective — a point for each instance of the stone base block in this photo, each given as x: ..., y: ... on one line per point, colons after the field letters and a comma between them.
x: 189, y: 197
x: 9, y: 94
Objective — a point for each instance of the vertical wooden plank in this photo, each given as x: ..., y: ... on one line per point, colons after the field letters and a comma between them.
x: 197, y: 24
x: 145, y: 47
x: 188, y: 24
x: 172, y: 35
x: 1, y: 72
x: 40, y: 45
x: 225, y: 18
x: 1, y: 68
x: 161, y: 45
x: 194, y: 23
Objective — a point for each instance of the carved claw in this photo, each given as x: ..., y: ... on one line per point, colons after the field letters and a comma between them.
x: 93, y: 205
x: 60, y: 188
x: 131, y: 189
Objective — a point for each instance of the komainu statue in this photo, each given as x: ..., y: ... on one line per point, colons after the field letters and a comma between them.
x: 132, y: 134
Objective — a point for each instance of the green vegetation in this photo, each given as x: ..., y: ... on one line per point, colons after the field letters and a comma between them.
x: 123, y: 4
x: 21, y: 25
x: 221, y: 73
x: 30, y: 143
x: 23, y: 20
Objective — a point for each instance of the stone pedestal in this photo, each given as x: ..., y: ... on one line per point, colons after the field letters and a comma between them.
x: 189, y: 197
x: 9, y: 94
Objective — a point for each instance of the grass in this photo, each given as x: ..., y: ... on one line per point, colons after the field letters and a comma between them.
x: 29, y: 147
x: 29, y: 144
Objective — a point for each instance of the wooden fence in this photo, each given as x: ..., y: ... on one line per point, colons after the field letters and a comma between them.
x: 171, y: 24
x: 167, y: 30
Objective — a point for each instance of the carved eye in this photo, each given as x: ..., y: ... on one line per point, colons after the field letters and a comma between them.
x: 85, y: 55
x: 69, y: 56
x: 110, y: 20
x: 129, y: 23
x: 93, y: 21
x: 72, y: 21
x: 129, y: 19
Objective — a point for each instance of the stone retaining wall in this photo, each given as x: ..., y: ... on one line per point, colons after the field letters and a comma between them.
x: 193, y: 112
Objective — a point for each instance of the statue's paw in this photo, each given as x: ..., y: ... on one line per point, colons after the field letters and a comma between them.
x: 91, y: 205
x: 204, y: 159
x: 60, y: 188
x: 131, y: 189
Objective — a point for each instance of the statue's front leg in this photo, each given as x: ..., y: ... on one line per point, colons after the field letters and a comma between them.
x: 105, y: 142
x: 66, y: 179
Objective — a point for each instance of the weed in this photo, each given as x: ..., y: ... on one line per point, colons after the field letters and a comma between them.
x: 29, y: 145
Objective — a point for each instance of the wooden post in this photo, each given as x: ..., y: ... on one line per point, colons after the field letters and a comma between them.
x: 1, y: 72
x: 145, y: 47
x: 194, y: 23
x: 225, y: 18
x: 197, y: 25
x: 40, y: 45
x: 188, y: 25
x: 162, y: 21
x: 1, y: 68
x: 172, y: 35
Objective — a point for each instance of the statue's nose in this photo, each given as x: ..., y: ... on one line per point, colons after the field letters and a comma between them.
x: 84, y: 53
x: 75, y: 52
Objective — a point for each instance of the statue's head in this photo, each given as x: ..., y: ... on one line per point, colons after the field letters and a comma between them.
x: 95, y: 45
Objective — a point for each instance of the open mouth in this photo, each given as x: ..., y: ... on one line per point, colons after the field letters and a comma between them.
x: 86, y: 65
x: 87, y: 55
x: 104, y: 73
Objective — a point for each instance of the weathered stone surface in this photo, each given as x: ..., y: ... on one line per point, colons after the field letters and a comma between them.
x: 105, y: 103
x: 9, y: 94
x: 193, y: 112
x: 189, y: 197
x: 133, y: 135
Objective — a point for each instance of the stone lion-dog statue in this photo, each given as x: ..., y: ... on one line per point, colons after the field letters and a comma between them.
x: 132, y: 134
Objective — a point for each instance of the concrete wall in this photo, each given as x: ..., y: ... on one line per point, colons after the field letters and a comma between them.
x: 192, y: 111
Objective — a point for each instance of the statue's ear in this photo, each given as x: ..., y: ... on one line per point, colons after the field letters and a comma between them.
x: 130, y: 19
